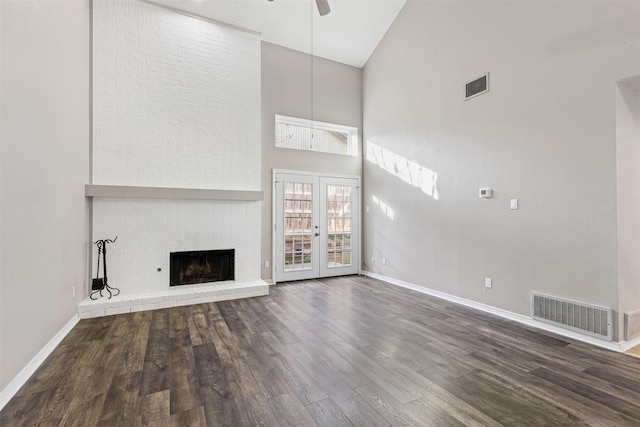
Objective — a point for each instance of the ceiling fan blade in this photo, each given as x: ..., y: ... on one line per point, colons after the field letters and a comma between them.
x: 323, y: 7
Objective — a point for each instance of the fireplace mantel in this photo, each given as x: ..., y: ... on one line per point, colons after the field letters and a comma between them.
x: 125, y: 191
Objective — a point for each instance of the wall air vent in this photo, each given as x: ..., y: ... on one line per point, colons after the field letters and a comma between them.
x: 476, y: 87
x: 581, y: 317
x: 631, y: 325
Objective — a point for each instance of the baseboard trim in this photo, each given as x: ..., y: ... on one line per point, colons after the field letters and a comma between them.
x: 619, y: 347
x: 12, y: 388
x: 628, y: 345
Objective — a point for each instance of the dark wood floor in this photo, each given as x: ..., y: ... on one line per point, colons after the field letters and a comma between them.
x: 349, y: 351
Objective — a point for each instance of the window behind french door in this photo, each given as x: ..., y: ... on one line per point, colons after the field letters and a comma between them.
x: 316, y: 226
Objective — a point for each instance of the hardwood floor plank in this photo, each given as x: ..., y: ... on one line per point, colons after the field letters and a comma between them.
x: 433, y: 407
x: 268, y: 379
x: 230, y: 316
x: 266, y: 312
x: 209, y: 369
x: 179, y: 321
x: 610, y: 388
x: 327, y: 413
x: 193, y: 417
x: 388, y: 406
x: 300, y: 381
x: 97, y: 368
x: 502, y: 399
x: 250, y: 398
x: 401, y: 389
x: 290, y: 411
x: 91, y: 329
x: 232, y: 389
x: 135, y: 345
x: 332, y: 383
x: 200, y: 328
x: 266, y: 373
x: 121, y: 401
x: 23, y: 409
x: 183, y: 377
x: 324, y: 354
x: 155, y: 371
x: 153, y: 409
x: 254, y: 323
x: 83, y: 412
x: 360, y: 413
x: 577, y: 407
x: 616, y: 379
x: 431, y: 412
x: 596, y: 395
x: 340, y: 351
x: 223, y: 410
x: 314, y: 319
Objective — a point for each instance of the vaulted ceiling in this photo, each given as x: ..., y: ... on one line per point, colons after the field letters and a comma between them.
x: 349, y: 34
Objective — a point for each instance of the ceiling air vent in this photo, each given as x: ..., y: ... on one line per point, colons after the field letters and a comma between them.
x: 476, y: 87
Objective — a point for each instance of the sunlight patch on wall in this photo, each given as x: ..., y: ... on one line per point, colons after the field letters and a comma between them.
x: 410, y: 172
x: 386, y: 209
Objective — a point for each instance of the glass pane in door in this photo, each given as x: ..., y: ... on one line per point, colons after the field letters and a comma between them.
x: 338, y: 225
x: 298, y: 208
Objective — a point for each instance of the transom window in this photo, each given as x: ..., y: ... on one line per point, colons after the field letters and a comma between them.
x: 303, y: 134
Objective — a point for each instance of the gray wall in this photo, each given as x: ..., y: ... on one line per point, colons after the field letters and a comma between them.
x: 45, y: 164
x: 628, y: 160
x: 545, y: 134
x: 286, y: 90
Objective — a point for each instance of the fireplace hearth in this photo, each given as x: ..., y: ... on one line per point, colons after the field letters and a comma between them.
x: 193, y: 267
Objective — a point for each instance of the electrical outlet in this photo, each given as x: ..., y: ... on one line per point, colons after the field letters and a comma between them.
x: 373, y: 260
x: 266, y: 264
x: 488, y: 283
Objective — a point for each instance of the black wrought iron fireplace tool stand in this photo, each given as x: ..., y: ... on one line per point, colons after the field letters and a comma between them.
x: 100, y: 284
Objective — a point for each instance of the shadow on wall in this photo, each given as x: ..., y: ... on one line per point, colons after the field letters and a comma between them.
x: 410, y: 172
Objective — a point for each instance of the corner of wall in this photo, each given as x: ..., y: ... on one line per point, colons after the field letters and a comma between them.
x: 628, y: 202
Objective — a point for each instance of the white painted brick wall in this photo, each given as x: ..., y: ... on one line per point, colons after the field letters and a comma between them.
x: 176, y: 100
x: 176, y: 104
x: 149, y: 230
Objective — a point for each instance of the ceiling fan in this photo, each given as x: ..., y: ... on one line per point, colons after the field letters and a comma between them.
x: 323, y: 7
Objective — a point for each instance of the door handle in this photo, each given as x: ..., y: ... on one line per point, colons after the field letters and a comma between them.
x: 317, y: 234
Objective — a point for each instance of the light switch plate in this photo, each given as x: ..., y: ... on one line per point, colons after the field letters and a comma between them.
x: 514, y: 203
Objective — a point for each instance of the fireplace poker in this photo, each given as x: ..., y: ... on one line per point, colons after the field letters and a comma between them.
x: 100, y: 284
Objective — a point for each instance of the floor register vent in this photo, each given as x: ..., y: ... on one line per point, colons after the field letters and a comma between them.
x: 580, y: 317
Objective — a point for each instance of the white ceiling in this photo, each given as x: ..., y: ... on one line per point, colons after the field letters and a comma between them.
x: 349, y: 34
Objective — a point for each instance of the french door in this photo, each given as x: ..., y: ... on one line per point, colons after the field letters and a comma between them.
x: 316, y: 226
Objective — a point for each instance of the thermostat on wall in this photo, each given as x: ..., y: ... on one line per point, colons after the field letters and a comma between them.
x: 485, y: 193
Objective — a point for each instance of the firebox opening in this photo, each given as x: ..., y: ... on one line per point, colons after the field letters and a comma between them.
x: 192, y: 267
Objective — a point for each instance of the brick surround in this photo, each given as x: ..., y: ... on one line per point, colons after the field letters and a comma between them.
x: 176, y: 103
x: 176, y: 100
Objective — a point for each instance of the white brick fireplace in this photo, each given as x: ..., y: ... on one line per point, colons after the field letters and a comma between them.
x: 176, y: 107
